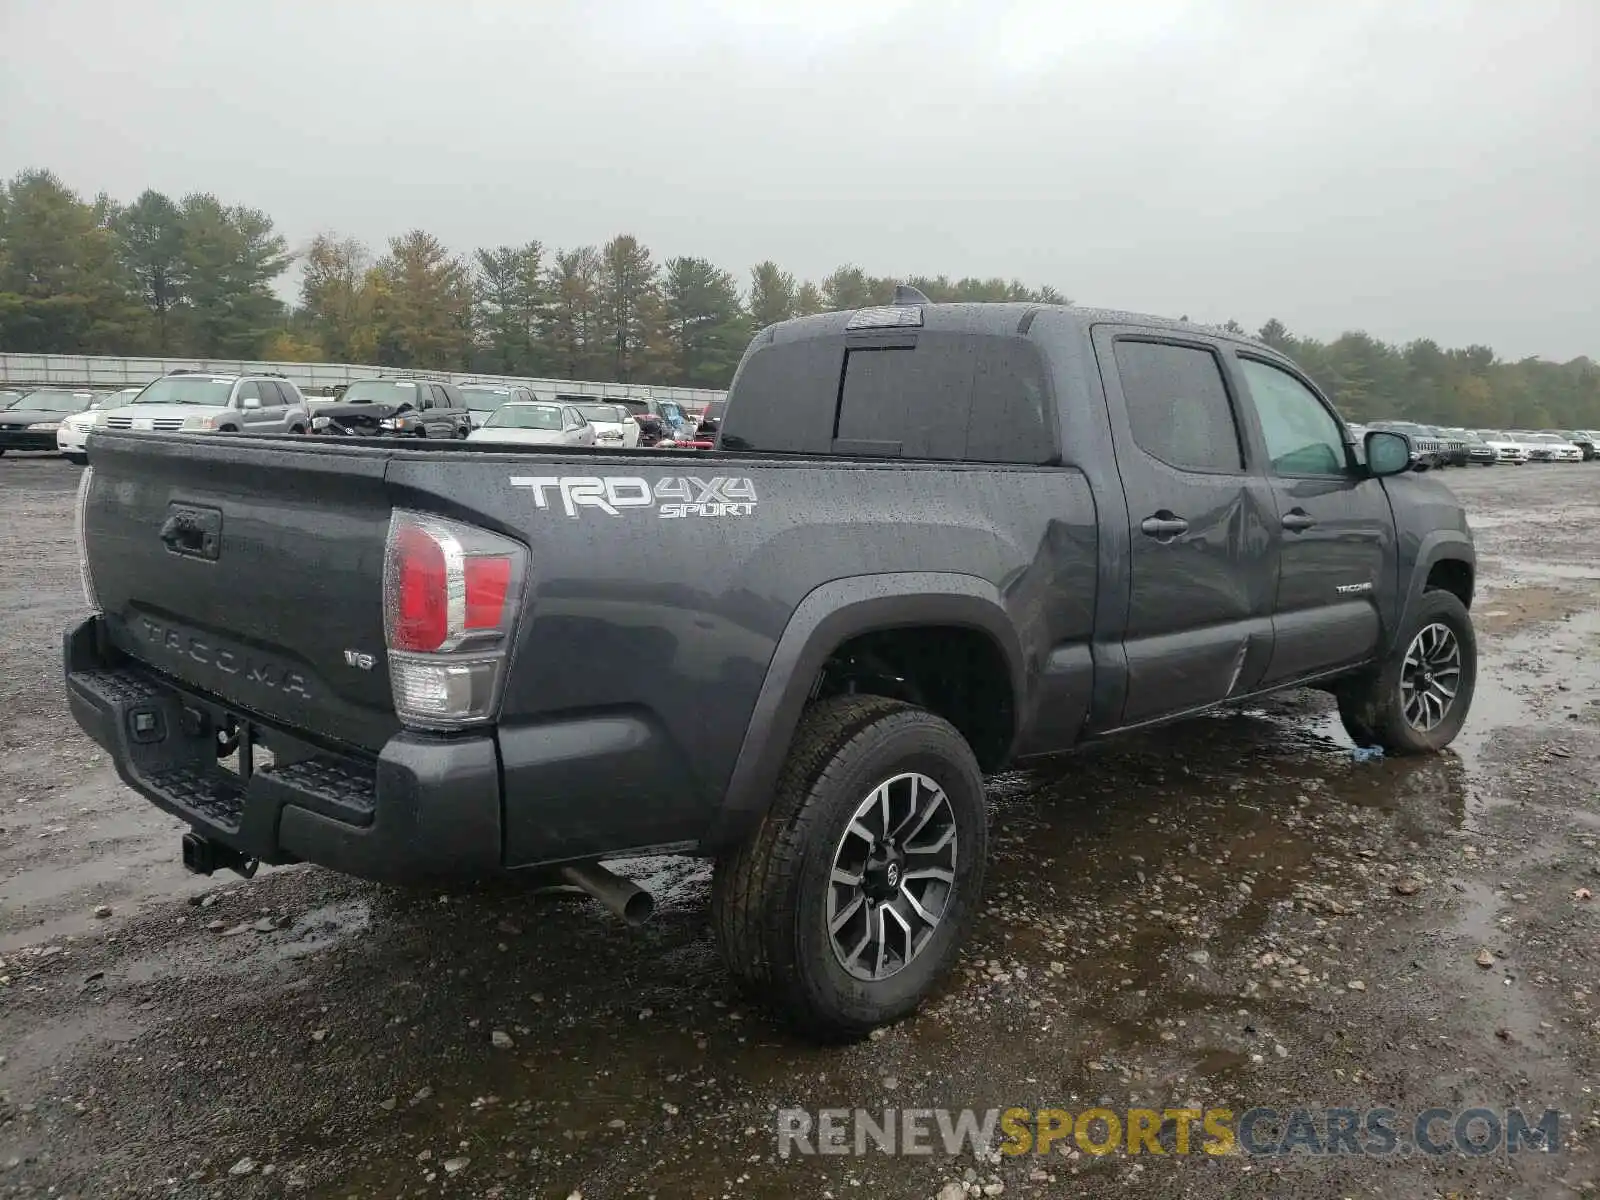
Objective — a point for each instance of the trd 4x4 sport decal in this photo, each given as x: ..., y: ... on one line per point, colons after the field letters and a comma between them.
x: 671, y: 495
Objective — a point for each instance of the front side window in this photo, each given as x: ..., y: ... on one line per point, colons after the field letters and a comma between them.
x: 1178, y: 406
x: 1301, y: 434
x: 248, y: 391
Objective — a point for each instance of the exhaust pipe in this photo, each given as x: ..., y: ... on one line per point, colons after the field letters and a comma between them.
x: 622, y: 896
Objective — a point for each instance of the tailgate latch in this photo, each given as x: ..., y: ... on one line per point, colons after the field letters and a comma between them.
x: 193, y: 531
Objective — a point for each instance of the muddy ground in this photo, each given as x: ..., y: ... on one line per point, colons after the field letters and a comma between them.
x: 1229, y: 913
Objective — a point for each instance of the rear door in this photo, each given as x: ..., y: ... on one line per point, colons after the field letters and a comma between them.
x: 1338, y: 558
x: 440, y: 419
x: 275, y: 400
x: 252, y: 571
x: 1202, y: 524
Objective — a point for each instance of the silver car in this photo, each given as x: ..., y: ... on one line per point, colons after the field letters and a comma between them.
x: 535, y: 423
x: 195, y: 401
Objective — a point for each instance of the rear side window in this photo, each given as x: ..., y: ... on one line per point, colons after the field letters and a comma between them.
x: 1178, y: 406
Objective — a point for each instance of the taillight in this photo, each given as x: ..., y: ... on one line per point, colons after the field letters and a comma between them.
x: 451, y: 597
x: 80, y: 517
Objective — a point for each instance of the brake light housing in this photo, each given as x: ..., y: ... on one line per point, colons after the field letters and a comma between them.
x: 452, y: 594
x: 80, y: 535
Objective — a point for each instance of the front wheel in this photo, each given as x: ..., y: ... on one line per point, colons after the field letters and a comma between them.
x: 1416, y: 701
x: 852, y: 897
x: 78, y: 460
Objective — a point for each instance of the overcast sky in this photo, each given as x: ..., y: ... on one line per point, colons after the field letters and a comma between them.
x: 1411, y: 167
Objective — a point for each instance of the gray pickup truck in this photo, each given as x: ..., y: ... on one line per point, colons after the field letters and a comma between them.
x: 933, y: 540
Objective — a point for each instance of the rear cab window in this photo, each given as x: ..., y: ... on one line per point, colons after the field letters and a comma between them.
x: 956, y: 393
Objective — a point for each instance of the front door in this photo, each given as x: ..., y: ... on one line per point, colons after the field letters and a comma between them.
x: 1202, y: 539
x: 1335, y: 527
x: 254, y: 414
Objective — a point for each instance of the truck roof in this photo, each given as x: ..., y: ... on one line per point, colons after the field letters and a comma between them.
x: 1000, y: 319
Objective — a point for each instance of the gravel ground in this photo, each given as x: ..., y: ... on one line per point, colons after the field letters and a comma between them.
x: 1229, y: 913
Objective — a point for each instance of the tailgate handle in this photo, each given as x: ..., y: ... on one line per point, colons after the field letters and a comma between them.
x: 193, y: 531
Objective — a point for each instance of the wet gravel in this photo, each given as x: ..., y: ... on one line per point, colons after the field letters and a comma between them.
x: 1227, y: 913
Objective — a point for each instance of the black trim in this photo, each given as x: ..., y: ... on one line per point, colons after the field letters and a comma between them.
x: 828, y: 617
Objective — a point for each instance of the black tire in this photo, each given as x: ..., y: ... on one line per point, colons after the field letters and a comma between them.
x: 297, y: 431
x: 78, y: 460
x: 1372, y: 706
x: 770, y: 894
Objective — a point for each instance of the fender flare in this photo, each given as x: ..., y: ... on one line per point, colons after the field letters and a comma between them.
x: 1438, y: 546
x: 829, y: 616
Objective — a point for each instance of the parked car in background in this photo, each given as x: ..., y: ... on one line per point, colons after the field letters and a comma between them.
x: 1453, y: 445
x: 1587, y: 440
x: 420, y: 408
x: 73, y: 436
x: 32, y: 421
x: 675, y: 422
x: 1478, y: 450
x: 711, y: 420
x: 201, y: 402
x: 483, y: 398
x: 535, y: 423
x: 651, y: 428
x: 1561, y: 450
x: 613, y: 425
x: 1427, y: 448
x: 1507, y: 449
x: 1581, y: 440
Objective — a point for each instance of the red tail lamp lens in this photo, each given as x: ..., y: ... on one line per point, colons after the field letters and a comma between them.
x: 423, y: 610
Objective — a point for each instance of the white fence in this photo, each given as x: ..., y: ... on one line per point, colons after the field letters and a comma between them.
x: 91, y: 371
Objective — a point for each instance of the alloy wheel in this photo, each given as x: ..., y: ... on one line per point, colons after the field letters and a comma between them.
x: 1430, y: 676
x: 893, y: 876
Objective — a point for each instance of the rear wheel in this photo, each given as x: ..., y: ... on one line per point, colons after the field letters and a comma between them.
x: 851, y: 898
x: 1416, y: 701
x: 78, y: 460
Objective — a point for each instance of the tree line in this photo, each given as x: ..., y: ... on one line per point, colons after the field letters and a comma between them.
x: 194, y: 277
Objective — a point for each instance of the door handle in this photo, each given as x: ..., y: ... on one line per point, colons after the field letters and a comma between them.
x: 1297, y: 520
x: 1163, y: 526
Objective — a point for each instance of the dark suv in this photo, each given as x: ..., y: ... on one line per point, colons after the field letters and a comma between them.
x: 422, y: 408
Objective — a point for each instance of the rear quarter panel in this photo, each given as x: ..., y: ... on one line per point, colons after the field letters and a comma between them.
x: 673, y: 619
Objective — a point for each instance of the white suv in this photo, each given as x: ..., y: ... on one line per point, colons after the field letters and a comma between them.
x: 199, y: 401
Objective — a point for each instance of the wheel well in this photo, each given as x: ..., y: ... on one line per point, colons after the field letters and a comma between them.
x: 1453, y: 576
x: 958, y: 673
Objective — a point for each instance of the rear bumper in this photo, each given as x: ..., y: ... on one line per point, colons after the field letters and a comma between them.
x: 424, y: 808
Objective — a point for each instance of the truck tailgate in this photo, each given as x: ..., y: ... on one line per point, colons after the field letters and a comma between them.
x: 252, y: 570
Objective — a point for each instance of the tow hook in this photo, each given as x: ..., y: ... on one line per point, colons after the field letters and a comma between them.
x: 205, y: 857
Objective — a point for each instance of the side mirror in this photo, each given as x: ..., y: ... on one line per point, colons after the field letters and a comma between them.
x: 1389, y: 453
x: 249, y: 402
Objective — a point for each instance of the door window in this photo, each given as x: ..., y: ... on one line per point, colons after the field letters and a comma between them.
x: 1178, y: 406
x: 1301, y: 434
x: 248, y: 390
